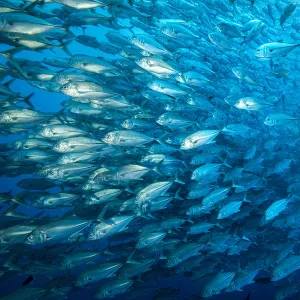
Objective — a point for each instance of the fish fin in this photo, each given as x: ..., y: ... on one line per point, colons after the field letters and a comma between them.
x: 63, y: 46
x: 245, y: 198
x: 177, y: 180
x: 132, y: 261
x: 157, y: 168
x: 9, y: 83
x: 101, y: 215
x: 8, y: 55
x: 224, y: 161
x: 27, y: 100
x: 177, y: 196
x: 129, y: 190
x: 160, y: 139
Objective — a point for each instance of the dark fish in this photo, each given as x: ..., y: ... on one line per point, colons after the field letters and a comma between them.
x: 28, y: 280
x: 263, y: 280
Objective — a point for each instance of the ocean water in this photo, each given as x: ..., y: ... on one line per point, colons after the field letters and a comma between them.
x: 207, y: 73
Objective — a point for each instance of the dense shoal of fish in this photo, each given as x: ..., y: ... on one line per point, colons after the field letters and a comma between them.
x: 176, y: 151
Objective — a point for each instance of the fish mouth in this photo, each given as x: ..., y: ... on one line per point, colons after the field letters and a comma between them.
x: 258, y: 54
x: 28, y: 242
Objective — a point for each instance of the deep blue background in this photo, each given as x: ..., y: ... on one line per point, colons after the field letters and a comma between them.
x: 50, y: 102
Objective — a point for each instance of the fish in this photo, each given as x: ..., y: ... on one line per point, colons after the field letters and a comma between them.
x: 255, y: 31
x: 287, y: 12
x: 230, y: 209
x: 217, y: 284
x: 274, y: 49
x: 113, y: 288
x: 15, y: 234
x: 199, y: 138
x: 97, y: 273
x: 230, y: 29
x: 276, y: 208
x: 28, y: 280
x: 111, y: 227
x: 19, y: 22
x: 148, y: 139
x: 285, y: 268
x: 249, y: 103
x: 242, y: 279
x: 56, y: 231
x: 221, y: 41
x: 245, y: 76
x: 148, y: 43
x: 263, y: 280
x: 278, y: 119
x: 74, y: 259
x: 35, y: 293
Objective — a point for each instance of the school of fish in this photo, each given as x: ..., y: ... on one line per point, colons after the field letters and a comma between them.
x: 175, y: 151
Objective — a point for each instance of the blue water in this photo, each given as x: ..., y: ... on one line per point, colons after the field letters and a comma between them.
x: 51, y: 102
